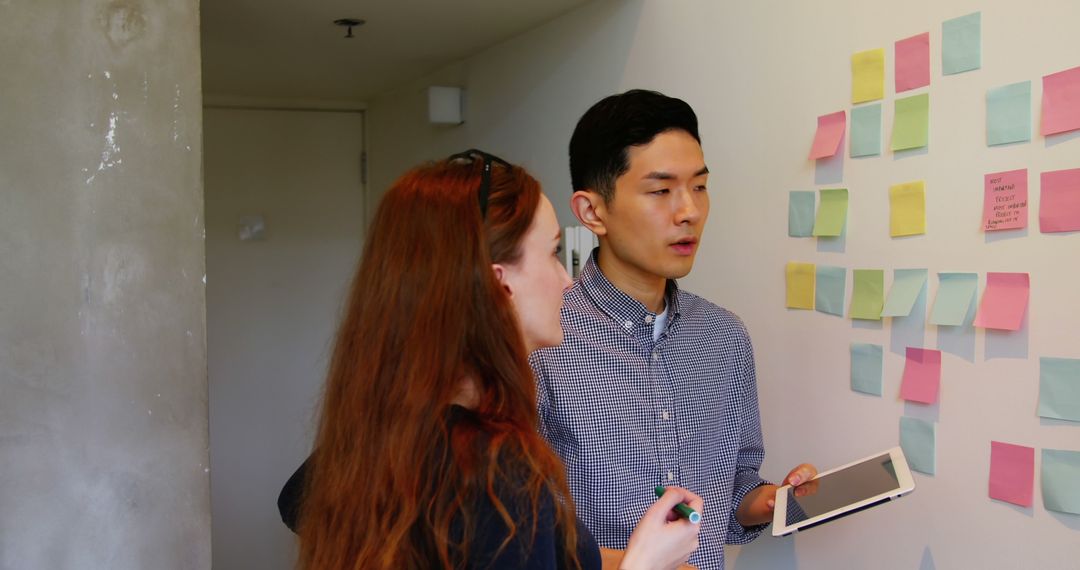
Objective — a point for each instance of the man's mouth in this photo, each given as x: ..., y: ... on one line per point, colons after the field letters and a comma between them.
x: 685, y: 246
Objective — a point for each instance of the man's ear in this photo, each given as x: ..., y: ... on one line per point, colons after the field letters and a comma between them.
x: 503, y: 278
x: 590, y: 209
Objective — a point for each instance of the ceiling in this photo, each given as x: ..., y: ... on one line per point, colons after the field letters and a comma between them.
x: 291, y: 50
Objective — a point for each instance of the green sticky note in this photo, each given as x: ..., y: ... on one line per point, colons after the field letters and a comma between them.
x: 1008, y: 114
x: 1061, y: 480
x: 866, y: 367
x: 800, y: 215
x: 907, y: 284
x: 911, y: 122
x: 868, y: 295
x: 832, y: 213
x: 961, y: 44
x: 829, y: 292
x: 954, y: 296
x: 1059, y: 388
x: 866, y: 130
x: 918, y: 439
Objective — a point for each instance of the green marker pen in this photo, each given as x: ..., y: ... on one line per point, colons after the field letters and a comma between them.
x: 682, y: 509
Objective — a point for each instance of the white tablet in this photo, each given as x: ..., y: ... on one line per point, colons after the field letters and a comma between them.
x: 842, y: 491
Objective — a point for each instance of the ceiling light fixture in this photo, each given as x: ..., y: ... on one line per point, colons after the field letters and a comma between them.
x: 349, y: 23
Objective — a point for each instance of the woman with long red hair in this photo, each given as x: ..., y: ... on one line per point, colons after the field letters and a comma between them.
x: 427, y: 453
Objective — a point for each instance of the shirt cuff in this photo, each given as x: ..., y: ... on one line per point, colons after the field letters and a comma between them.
x: 737, y: 533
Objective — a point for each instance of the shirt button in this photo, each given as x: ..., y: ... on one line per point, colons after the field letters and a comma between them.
x: 628, y: 325
x: 648, y: 318
x: 670, y: 476
x: 655, y: 356
x: 665, y: 414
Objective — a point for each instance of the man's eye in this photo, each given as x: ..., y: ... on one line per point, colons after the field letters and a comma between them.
x: 701, y: 188
x: 558, y: 250
x: 660, y: 192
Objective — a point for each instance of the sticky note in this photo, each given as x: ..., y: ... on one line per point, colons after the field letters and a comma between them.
x: 866, y: 368
x: 800, y: 221
x: 831, y: 282
x: 912, y: 62
x: 832, y: 213
x: 800, y: 285
x: 918, y: 439
x: 1012, y: 473
x: 907, y: 284
x: 907, y: 207
x: 868, y: 294
x: 954, y: 296
x: 1061, y: 102
x: 922, y: 375
x: 1060, y: 473
x: 1005, y: 202
x: 866, y: 130
x: 1004, y: 302
x: 961, y: 44
x: 1008, y: 114
x: 911, y: 122
x: 868, y: 75
x: 1059, y: 201
x: 830, y: 129
x: 1059, y: 388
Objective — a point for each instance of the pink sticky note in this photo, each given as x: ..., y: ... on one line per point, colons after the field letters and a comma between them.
x: 1012, y: 473
x: 922, y: 375
x: 1061, y: 102
x: 1005, y: 206
x: 913, y: 62
x: 1059, y: 202
x: 830, y: 129
x: 1004, y: 302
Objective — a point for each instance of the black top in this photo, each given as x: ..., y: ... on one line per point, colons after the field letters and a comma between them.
x: 543, y: 552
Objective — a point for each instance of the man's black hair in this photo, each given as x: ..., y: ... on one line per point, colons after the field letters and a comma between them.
x: 598, y: 147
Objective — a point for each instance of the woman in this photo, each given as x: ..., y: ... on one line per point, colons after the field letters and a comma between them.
x: 427, y: 454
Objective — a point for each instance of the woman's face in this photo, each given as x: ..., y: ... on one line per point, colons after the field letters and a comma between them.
x: 537, y: 280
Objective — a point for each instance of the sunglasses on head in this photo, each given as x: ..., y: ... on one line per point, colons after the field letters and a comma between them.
x: 485, y: 183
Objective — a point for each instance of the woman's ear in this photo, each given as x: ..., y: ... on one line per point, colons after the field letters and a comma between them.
x: 590, y: 209
x: 504, y: 278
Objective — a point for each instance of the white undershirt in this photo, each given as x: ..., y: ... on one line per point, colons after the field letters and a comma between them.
x: 659, y: 325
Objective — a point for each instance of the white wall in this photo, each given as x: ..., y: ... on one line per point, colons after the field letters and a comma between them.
x: 759, y: 74
x: 272, y: 307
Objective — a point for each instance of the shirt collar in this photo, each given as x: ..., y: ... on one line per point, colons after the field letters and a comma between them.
x: 617, y: 304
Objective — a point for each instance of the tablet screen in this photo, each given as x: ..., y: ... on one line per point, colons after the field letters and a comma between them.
x: 851, y: 485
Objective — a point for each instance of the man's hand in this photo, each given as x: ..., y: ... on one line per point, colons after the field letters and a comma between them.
x: 757, y: 506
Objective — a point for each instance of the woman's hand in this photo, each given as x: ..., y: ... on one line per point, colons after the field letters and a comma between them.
x: 661, y: 539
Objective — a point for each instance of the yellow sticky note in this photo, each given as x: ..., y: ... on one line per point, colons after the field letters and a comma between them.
x: 868, y: 75
x: 908, y: 206
x: 800, y: 285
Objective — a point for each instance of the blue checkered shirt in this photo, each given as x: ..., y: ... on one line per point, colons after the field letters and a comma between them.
x: 626, y: 413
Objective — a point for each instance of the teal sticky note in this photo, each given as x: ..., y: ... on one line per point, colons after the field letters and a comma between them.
x: 800, y: 214
x: 1061, y: 480
x: 866, y: 130
x: 1059, y: 388
x: 866, y: 368
x: 907, y: 284
x: 1008, y: 114
x: 918, y: 439
x: 961, y: 44
x: 954, y: 296
x: 829, y: 291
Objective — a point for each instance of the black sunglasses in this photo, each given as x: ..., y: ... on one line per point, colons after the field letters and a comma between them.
x: 485, y: 183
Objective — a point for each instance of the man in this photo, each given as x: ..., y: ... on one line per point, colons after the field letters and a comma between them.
x: 652, y: 385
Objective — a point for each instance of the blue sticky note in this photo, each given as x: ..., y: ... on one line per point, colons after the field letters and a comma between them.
x: 954, y: 296
x: 907, y: 284
x: 1061, y: 480
x: 918, y: 439
x: 829, y: 291
x: 866, y: 368
x: 961, y: 44
x: 1008, y: 114
x: 866, y: 130
x: 1059, y: 388
x: 800, y: 214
